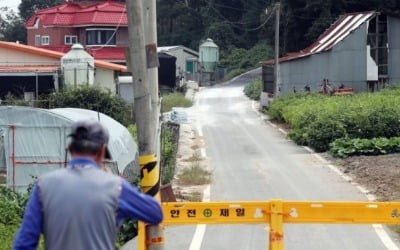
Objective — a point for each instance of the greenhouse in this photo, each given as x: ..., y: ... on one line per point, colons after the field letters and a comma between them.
x: 34, y: 141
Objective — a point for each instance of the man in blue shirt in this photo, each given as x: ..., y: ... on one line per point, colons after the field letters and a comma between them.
x: 81, y: 206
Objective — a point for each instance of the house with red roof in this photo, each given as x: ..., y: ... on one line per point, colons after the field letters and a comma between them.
x: 360, y: 51
x: 30, y: 70
x: 101, y: 27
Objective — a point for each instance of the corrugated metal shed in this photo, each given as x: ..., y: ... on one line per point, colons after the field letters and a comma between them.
x: 338, y: 31
x: 35, y: 140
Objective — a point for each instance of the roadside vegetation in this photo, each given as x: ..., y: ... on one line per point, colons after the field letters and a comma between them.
x: 253, y: 89
x: 174, y: 100
x: 239, y: 60
x: 82, y: 97
x: 366, y: 123
x: 11, y: 211
x: 195, y: 174
x: 12, y: 206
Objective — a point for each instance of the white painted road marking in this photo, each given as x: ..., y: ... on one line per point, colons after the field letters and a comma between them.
x: 201, y: 228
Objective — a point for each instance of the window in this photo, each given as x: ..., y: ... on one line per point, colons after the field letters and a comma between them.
x: 100, y: 37
x: 37, y: 40
x: 45, y: 40
x: 70, y: 39
x: 378, y: 42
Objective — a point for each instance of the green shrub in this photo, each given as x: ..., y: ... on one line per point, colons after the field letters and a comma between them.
x: 253, y: 89
x: 174, y: 100
x: 317, y: 120
x: 234, y: 72
x: 169, y: 148
x: 12, y: 207
x: 91, y: 98
x: 239, y: 60
x: 345, y: 147
x: 321, y: 132
x: 7, y: 233
x: 133, y: 131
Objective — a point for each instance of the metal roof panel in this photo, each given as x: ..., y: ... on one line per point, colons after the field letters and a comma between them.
x: 336, y: 33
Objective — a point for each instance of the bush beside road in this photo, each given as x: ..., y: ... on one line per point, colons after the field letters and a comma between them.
x: 316, y: 120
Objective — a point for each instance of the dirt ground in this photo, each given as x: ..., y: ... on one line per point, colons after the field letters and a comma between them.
x: 379, y: 174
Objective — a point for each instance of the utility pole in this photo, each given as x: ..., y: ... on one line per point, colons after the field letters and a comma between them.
x: 151, y: 183
x: 264, y: 97
x: 142, y: 61
x: 276, y: 65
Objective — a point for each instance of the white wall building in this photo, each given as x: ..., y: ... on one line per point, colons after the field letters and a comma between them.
x: 30, y: 69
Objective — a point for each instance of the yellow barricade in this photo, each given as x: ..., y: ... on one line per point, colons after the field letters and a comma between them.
x: 277, y: 212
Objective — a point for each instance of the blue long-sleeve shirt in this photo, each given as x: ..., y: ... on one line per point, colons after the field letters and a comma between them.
x: 131, y: 204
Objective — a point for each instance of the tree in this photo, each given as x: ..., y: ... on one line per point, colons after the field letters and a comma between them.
x: 28, y: 7
x: 11, y: 26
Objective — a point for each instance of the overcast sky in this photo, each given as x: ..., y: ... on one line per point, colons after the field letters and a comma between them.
x: 13, y: 4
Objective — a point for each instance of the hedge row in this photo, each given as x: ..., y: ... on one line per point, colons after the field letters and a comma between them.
x: 316, y: 120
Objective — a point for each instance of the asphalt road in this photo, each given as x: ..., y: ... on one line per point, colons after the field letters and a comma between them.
x: 253, y: 161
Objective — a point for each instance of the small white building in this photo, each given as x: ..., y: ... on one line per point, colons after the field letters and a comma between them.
x: 34, y: 70
x: 187, y: 61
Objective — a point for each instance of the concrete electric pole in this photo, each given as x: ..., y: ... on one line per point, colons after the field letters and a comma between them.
x: 143, y: 63
x: 265, y: 96
x: 276, y: 64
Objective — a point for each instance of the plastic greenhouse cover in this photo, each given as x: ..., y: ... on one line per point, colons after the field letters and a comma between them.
x: 35, y: 141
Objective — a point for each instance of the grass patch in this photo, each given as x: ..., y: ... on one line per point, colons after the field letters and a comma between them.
x: 196, y: 157
x: 253, y: 89
x: 174, y: 100
x: 194, y: 175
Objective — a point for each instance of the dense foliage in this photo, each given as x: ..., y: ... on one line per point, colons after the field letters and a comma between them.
x: 239, y: 60
x: 345, y: 147
x: 91, y: 98
x: 231, y: 23
x: 28, y: 7
x: 238, y: 23
x: 318, y: 120
x: 253, y: 89
x: 12, y: 207
x: 11, y: 26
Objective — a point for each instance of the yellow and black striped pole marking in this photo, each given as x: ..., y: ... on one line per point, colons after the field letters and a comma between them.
x: 150, y: 182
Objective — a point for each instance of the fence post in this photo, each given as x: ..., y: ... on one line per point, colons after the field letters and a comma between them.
x: 142, y: 236
x: 276, y: 225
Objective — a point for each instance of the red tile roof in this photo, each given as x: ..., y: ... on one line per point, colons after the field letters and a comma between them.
x: 99, y: 53
x: 338, y: 31
x: 56, y: 55
x: 72, y: 14
x: 108, y: 53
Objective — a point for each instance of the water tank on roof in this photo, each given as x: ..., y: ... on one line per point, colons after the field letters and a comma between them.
x: 209, y: 55
x: 78, y: 67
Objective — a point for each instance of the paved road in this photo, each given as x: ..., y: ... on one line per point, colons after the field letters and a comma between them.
x: 251, y: 161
